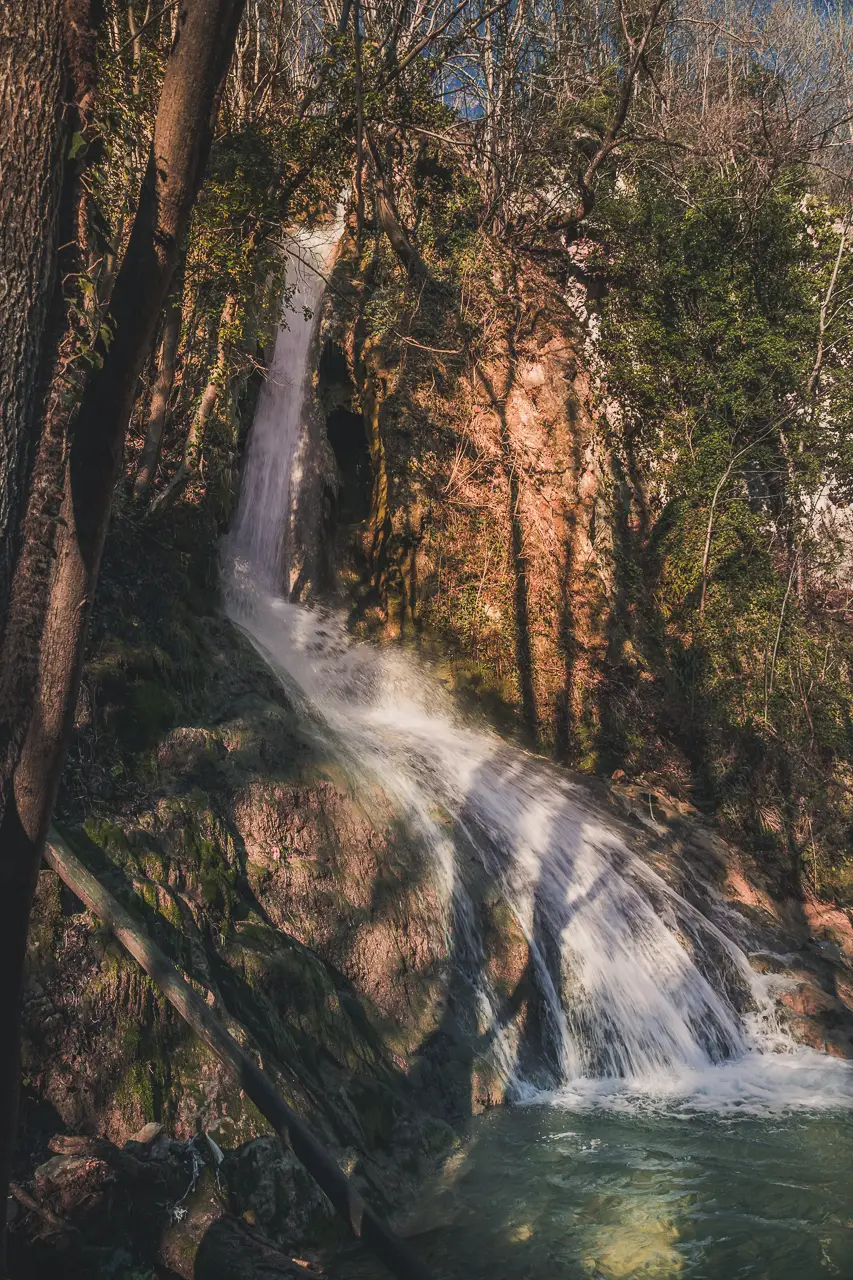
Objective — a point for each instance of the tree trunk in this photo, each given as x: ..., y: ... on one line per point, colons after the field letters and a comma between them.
x: 709, y: 533
x: 147, y: 472
x: 206, y: 405
x: 46, y: 75
x: 182, y: 135
x: 359, y: 131
x: 32, y: 91
x: 389, y: 218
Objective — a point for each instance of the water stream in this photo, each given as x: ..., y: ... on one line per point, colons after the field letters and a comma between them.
x: 651, y: 1015
x: 540, y: 1193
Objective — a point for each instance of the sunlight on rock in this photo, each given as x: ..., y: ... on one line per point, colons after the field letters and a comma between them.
x: 644, y: 1250
x: 517, y: 1235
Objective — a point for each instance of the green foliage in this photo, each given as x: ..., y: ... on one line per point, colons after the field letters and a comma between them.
x: 710, y: 318
x: 710, y: 338
x: 230, y: 250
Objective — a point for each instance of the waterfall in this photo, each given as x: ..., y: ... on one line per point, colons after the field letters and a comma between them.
x: 639, y: 990
x: 258, y: 541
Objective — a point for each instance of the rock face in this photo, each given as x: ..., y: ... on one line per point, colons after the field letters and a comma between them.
x: 474, y: 501
x: 806, y: 945
x: 489, y: 538
x: 303, y: 921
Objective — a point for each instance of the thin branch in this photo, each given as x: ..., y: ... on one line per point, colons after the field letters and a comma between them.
x: 769, y: 687
x: 139, y: 30
x: 814, y: 380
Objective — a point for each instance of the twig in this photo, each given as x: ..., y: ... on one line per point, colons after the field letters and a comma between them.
x: 139, y: 30
x: 27, y: 1202
x: 440, y: 351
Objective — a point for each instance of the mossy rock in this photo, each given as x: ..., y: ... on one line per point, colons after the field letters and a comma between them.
x: 269, y: 1188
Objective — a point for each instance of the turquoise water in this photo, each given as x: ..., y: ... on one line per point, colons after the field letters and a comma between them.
x: 542, y: 1193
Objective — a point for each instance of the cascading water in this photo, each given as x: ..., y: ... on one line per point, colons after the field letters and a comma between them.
x: 257, y: 544
x: 641, y: 993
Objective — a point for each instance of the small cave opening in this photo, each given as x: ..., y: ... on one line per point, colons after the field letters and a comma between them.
x: 333, y: 370
x: 348, y: 439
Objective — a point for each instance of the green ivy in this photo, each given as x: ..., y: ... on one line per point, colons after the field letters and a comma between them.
x: 709, y: 335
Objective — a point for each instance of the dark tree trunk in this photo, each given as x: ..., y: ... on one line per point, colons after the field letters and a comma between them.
x: 46, y: 78
x: 359, y: 129
x: 182, y: 134
x: 32, y: 92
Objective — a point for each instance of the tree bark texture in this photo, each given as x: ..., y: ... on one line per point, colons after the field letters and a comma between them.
x: 46, y: 72
x: 182, y: 135
x: 32, y: 92
x: 150, y: 458
x: 257, y: 1085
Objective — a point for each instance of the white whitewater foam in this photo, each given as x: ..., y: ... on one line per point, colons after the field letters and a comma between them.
x: 273, y: 466
x: 645, y: 1001
x: 634, y: 1022
x: 758, y: 1083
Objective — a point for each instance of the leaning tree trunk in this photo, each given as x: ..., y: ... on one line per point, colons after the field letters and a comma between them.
x: 182, y: 134
x: 389, y: 217
x: 253, y: 1079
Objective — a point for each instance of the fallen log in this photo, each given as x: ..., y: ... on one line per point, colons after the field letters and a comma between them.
x: 256, y: 1084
